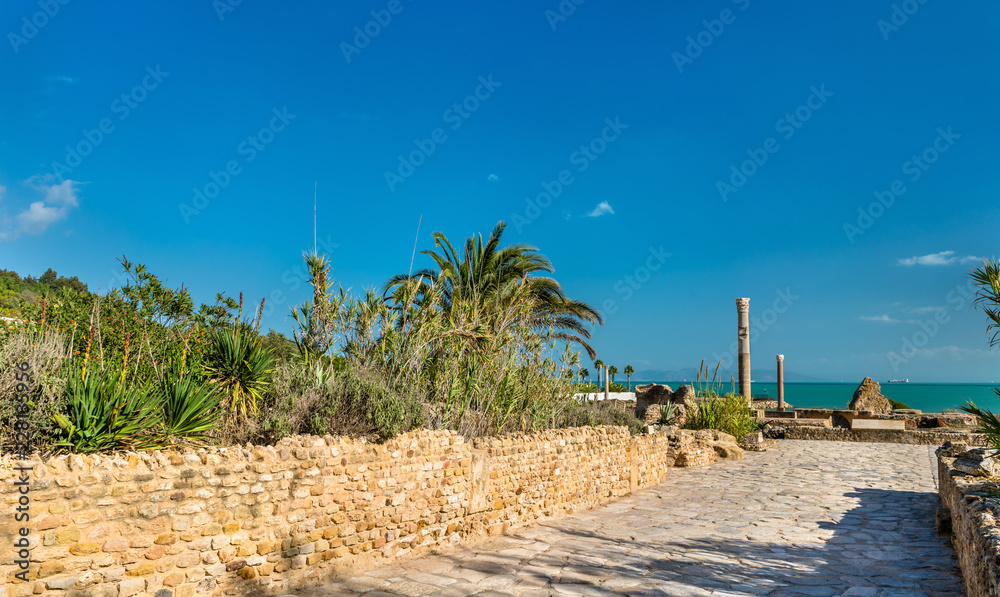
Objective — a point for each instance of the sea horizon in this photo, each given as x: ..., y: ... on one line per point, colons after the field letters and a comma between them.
x: 927, y: 397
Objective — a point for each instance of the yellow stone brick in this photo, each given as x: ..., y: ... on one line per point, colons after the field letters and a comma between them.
x: 84, y: 548
x: 67, y: 535
x: 50, y: 568
x: 211, y: 529
x: 142, y: 569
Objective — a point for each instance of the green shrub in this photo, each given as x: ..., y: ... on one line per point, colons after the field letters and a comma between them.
x: 989, y: 424
x: 592, y: 414
x: 104, y: 411
x: 45, y: 355
x: 349, y: 402
x: 240, y: 365
x: 190, y: 406
x: 897, y: 404
x: 667, y: 413
x: 729, y: 414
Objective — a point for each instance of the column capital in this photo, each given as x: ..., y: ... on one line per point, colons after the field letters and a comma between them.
x: 781, y: 357
x: 743, y: 305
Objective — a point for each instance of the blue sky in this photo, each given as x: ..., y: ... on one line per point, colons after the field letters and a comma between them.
x: 668, y: 159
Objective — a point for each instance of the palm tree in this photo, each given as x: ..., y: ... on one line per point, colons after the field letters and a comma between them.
x: 584, y: 374
x: 628, y: 375
x: 484, y: 274
x: 612, y: 371
x: 599, y: 365
x: 987, y: 278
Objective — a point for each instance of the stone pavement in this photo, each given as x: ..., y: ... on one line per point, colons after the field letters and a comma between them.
x: 803, y: 518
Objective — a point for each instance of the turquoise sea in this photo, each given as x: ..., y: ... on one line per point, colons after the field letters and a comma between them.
x: 928, y: 397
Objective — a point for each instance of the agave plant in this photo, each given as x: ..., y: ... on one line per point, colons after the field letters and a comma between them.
x: 190, y: 407
x: 240, y: 366
x: 104, y: 413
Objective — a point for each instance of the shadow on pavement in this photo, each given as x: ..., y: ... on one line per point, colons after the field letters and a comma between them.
x: 885, y: 546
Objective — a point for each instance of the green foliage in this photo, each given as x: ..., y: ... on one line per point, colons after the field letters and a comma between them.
x: 629, y: 372
x: 315, y: 320
x: 668, y: 412
x: 190, y: 406
x: 989, y: 424
x: 45, y: 355
x: 280, y: 345
x: 240, y: 367
x: 591, y: 414
x: 987, y: 278
x: 105, y: 412
x: 349, y: 402
x: 729, y: 414
x: 15, y: 290
x: 896, y: 404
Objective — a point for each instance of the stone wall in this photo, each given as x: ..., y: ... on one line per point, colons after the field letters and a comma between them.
x: 887, y: 436
x: 970, y: 510
x: 238, y: 520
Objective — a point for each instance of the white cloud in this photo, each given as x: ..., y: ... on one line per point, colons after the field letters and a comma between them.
x: 63, y: 194
x: 55, y: 205
x: 878, y: 319
x: 942, y: 258
x: 922, y: 310
x: 37, y: 218
x: 602, y: 208
x: 953, y: 352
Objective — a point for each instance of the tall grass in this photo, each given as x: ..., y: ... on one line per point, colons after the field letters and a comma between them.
x: 729, y: 414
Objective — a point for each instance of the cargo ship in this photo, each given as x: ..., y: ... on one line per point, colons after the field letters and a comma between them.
x: 906, y: 380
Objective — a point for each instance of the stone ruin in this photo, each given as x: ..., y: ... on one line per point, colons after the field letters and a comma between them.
x: 868, y: 397
x: 651, y: 398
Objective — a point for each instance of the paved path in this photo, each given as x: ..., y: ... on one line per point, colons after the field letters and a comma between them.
x: 804, y: 518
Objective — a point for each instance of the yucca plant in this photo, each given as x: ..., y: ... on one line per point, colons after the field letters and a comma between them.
x: 240, y: 367
x: 104, y: 413
x: 987, y: 279
x: 190, y: 406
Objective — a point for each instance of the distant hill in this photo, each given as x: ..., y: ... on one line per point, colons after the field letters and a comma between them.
x: 690, y: 373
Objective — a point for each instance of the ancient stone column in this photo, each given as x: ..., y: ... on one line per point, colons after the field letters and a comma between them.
x: 607, y: 384
x: 743, y: 320
x: 781, y: 382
